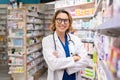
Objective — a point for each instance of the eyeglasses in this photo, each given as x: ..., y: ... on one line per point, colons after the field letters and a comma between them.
x: 59, y: 20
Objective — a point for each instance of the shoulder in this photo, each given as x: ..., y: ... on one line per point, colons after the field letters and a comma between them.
x: 74, y: 36
x: 47, y: 38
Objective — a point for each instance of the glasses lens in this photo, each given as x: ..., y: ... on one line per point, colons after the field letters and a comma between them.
x: 66, y: 21
x: 59, y: 20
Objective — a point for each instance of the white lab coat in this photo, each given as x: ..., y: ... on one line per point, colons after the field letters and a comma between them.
x: 56, y: 66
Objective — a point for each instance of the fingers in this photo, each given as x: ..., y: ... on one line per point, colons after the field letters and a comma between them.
x: 55, y: 54
x: 76, y: 58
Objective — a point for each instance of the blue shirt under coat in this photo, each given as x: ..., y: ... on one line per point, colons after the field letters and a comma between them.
x: 66, y: 49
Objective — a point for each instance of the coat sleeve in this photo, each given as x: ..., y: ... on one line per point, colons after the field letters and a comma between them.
x: 83, y: 62
x: 53, y: 62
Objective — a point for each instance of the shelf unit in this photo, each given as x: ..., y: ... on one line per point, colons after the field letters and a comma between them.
x: 35, y: 33
x: 73, y: 5
x: 107, y: 42
x: 17, y: 42
x: 108, y: 32
x: 49, y: 12
x: 25, y: 27
x: 3, y: 35
x: 111, y: 27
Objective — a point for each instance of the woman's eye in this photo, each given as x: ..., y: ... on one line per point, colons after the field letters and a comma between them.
x: 59, y: 20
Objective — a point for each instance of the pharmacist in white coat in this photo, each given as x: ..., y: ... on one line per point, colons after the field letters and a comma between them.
x: 63, y: 52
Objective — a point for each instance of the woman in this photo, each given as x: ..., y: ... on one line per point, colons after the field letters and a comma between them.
x: 62, y: 51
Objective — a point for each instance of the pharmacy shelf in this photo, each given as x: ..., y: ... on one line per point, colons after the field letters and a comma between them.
x: 35, y: 25
x: 49, y: 10
x: 15, y: 37
x: 14, y: 19
x: 87, y: 41
x: 37, y: 62
x: 15, y: 64
x: 14, y: 55
x: 34, y: 50
x: 106, y: 70
x: 15, y: 72
x: 16, y: 9
x: 110, y: 27
x: 82, y: 5
x: 34, y: 36
x: 98, y: 7
x: 34, y: 58
x: 34, y: 44
x: 27, y: 29
x: 16, y: 41
x: 82, y: 17
x: 93, y: 30
x: 3, y: 34
x: 2, y: 13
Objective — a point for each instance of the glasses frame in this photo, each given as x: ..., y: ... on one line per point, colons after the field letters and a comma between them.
x: 60, y: 20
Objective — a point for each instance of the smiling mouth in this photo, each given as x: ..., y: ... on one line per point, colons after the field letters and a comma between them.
x: 62, y: 27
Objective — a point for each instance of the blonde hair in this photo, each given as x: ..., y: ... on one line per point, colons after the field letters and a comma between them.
x: 53, y: 27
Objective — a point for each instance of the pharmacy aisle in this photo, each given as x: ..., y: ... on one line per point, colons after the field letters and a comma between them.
x: 95, y: 22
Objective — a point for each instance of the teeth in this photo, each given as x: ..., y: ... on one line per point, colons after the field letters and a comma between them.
x: 62, y: 26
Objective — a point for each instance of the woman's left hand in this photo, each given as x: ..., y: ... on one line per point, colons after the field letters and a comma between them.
x: 76, y: 57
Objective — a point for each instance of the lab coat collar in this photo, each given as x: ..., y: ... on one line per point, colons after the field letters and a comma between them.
x: 68, y: 35
x: 59, y: 46
x: 56, y: 37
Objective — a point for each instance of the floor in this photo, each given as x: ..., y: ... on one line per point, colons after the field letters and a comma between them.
x: 44, y: 76
x: 5, y: 76
x: 4, y: 72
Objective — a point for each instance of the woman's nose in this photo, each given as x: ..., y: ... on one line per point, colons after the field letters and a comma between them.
x: 63, y: 22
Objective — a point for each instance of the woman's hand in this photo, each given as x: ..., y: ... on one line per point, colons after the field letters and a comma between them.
x: 55, y: 54
x: 76, y: 58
